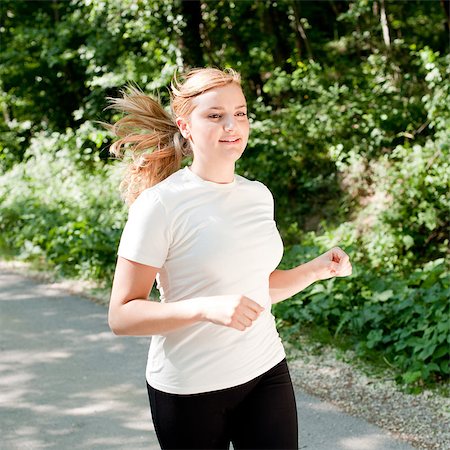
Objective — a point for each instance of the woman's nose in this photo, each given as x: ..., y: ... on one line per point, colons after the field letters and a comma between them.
x: 229, y: 123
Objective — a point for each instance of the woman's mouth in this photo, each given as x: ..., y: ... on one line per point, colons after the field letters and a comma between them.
x: 230, y: 141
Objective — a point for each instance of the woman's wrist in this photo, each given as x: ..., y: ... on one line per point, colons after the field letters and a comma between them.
x: 311, y: 271
x: 197, y: 308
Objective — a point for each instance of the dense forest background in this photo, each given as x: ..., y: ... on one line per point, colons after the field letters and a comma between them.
x: 349, y: 103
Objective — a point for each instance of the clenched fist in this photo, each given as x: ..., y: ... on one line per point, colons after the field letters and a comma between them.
x: 333, y: 263
x: 234, y: 311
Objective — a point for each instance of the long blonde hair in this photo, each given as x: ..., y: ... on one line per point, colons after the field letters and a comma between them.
x: 157, y: 147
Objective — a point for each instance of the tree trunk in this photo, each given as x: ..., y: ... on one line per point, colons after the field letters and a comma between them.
x: 300, y: 30
x: 333, y: 7
x: 55, y: 10
x: 208, y: 43
x: 446, y: 5
x: 384, y: 24
x: 276, y: 24
x: 191, y: 39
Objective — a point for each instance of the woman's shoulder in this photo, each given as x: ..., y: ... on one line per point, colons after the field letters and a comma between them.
x: 170, y: 184
x: 256, y: 185
x: 161, y: 192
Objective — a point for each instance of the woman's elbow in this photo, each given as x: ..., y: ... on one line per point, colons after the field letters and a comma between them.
x: 114, y: 322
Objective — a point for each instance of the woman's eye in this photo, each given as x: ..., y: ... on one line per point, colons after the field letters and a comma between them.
x: 218, y: 116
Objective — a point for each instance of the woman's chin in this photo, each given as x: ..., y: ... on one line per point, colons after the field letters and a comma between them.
x: 234, y: 153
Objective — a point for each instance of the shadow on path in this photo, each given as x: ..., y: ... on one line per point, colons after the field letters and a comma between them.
x: 66, y: 382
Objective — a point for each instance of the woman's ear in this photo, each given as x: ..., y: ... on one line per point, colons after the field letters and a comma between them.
x: 183, y: 126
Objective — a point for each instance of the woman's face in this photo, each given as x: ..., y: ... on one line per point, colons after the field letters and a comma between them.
x: 218, y: 127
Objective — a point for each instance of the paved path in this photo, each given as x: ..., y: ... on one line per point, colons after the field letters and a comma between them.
x: 66, y: 382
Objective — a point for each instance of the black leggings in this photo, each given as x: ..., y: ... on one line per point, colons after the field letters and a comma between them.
x: 260, y: 414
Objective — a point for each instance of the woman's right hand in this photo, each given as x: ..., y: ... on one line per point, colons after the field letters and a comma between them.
x: 234, y: 311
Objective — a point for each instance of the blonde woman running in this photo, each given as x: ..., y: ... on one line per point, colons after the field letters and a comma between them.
x: 216, y: 370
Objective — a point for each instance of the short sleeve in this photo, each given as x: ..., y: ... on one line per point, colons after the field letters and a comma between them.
x: 268, y: 197
x: 145, y: 237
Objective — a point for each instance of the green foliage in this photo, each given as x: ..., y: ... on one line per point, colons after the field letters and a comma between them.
x: 60, y: 60
x: 405, y: 318
x: 413, y: 227
x: 397, y: 300
x: 329, y: 139
x: 55, y: 210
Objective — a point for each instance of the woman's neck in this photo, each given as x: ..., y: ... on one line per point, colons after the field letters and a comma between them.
x: 214, y: 173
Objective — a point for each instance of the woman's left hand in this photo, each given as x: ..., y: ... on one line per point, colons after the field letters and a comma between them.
x: 333, y: 263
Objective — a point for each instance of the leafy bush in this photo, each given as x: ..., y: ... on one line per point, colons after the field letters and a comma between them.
x: 319, y: 151
x: 53, y: 209
x: 404, y: 318
x: 397, y: 300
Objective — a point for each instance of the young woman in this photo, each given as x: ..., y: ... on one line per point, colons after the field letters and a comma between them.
x: 216, y: 370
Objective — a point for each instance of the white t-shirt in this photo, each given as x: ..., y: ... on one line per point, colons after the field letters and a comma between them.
x: 208, y: 239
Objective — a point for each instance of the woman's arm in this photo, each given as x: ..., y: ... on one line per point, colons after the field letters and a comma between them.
x: 131, y: 313
x: 286, y: 283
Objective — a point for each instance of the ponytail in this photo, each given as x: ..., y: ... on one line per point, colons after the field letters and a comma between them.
x: 156, y: 148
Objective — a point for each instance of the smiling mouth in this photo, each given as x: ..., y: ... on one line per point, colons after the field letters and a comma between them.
x: 231, y: 141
